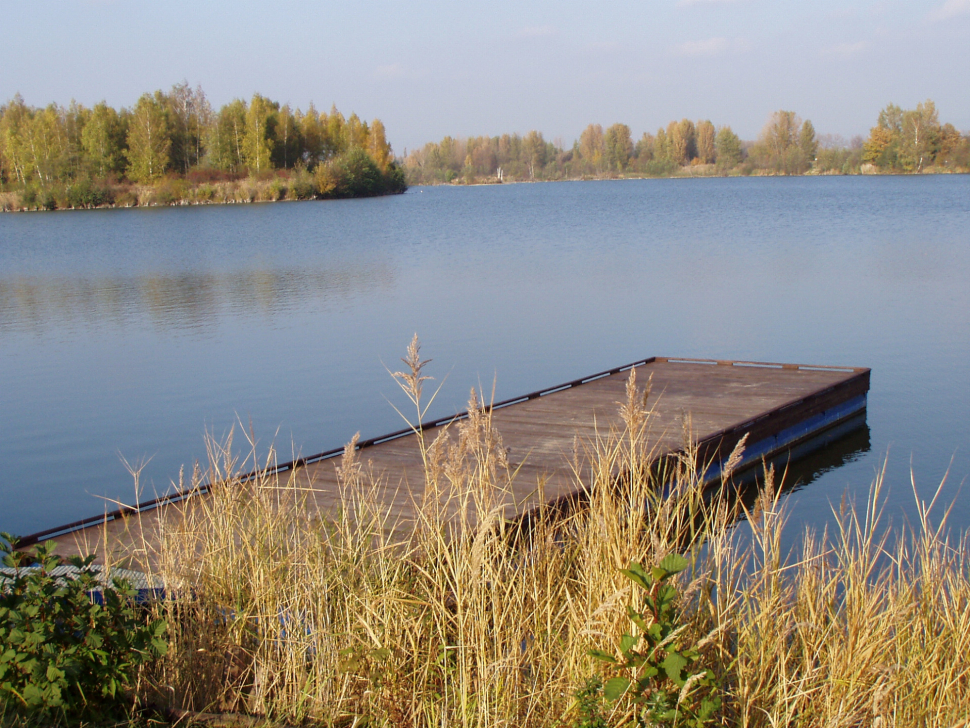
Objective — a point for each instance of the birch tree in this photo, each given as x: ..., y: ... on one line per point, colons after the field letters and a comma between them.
x: 14, y: 138
x: 377, y: 146
x: 102, y: 140
x: 920, y: 139
x: 258, y: 138
x: 148, y: 139
x: 225, y: 140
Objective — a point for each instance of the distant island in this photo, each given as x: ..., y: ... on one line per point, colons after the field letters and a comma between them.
x: 903, y: 141
x: 174, y: 148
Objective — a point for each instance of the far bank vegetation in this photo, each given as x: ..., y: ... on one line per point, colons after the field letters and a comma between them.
x: 175, y: 148
x: 903, y: 141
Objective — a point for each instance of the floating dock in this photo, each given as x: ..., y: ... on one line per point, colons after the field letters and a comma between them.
x: 780, y: 407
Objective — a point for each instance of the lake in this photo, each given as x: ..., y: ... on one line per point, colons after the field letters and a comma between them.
x: 126, y: 335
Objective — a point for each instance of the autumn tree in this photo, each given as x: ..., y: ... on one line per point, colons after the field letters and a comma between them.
x: 908, y: 140
x: 313, y: 134
x: 706, y: 149
x: 882, y: 146
x: 779, y: 144
x: 48, y: 143
x: 879, y: 149
x: 148, y: 139
x: 224, y: 146
x: 591, y: 147
x: 954, y: 148
x: 72, y: 121
x: 288, y: 143
x: 377, y: 146
x: 618, y: 147
x: 335, y: 138
x: 510, y: 153
x: 356, y: 132
x: 534, y: 152
x: 15, y: 139
x: 728, y: 149
x: 682, y: 140
x: 661, y: 147
x: 644, y: 149
x: 891, y: 119
x: 485, y: 156
x: 781, y: 132
x: 189, y: 116
x: 807, y: 142
x: 920, y: 138
x: 103, y: 140
x: 259, y: 134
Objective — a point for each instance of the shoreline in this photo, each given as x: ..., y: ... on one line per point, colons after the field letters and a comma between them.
x: 177, y: 193
x: 188, y: 203
x: 733, y: 174
x: 248, y: 191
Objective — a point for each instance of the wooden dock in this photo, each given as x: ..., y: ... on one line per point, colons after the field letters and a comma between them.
x: 778, y: 406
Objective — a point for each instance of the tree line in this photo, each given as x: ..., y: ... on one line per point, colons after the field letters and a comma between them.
x: 902, y: 141
x: 173, y: 136
x: 914, y: 140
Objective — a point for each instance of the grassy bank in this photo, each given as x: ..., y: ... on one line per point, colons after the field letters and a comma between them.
x: 352, y: 175
x: 461, y: 618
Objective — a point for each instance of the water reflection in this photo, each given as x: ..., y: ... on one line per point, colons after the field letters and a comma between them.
x: 808, y: 462
x: 179, y: 300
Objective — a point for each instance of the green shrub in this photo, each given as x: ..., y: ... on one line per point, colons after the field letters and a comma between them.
x: 205, y: 192
x: 359, y: 175
x: 126, y: 197
x: 302, y: 186
x: 170, y: 191
x: 394, y: 179
x: 29, y: 197
x: 277, y: 190
x: 47, y: 199
x: 662, y: 677
x: 589, y: 704
x: 660, y: 168
x: 67, y: 655
x: 85, y: 193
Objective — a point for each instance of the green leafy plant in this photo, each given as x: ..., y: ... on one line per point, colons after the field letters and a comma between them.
x: 64, y: 653
x: 659, y: 672
x: 589, y: 705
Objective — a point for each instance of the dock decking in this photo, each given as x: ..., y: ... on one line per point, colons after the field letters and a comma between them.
x: 776, y: 405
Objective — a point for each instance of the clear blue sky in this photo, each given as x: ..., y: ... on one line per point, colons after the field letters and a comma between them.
x: 446, y: 67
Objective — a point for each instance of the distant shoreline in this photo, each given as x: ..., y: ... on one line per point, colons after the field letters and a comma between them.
x: 485, y: 182
x: 177, y: 193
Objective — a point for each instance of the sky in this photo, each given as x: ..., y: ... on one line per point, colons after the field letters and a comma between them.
x: 433, y: 68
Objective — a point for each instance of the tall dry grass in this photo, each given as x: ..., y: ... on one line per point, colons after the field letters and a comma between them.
x: 465, y: 618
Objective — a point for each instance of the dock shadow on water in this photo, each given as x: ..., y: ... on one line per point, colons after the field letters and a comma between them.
x: 437, y: 616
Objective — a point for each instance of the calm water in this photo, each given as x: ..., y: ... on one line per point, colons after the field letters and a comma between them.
x: 131, y: 333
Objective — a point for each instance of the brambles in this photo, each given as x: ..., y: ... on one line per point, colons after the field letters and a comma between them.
x: 71, y: 646
x: 663, y: 676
